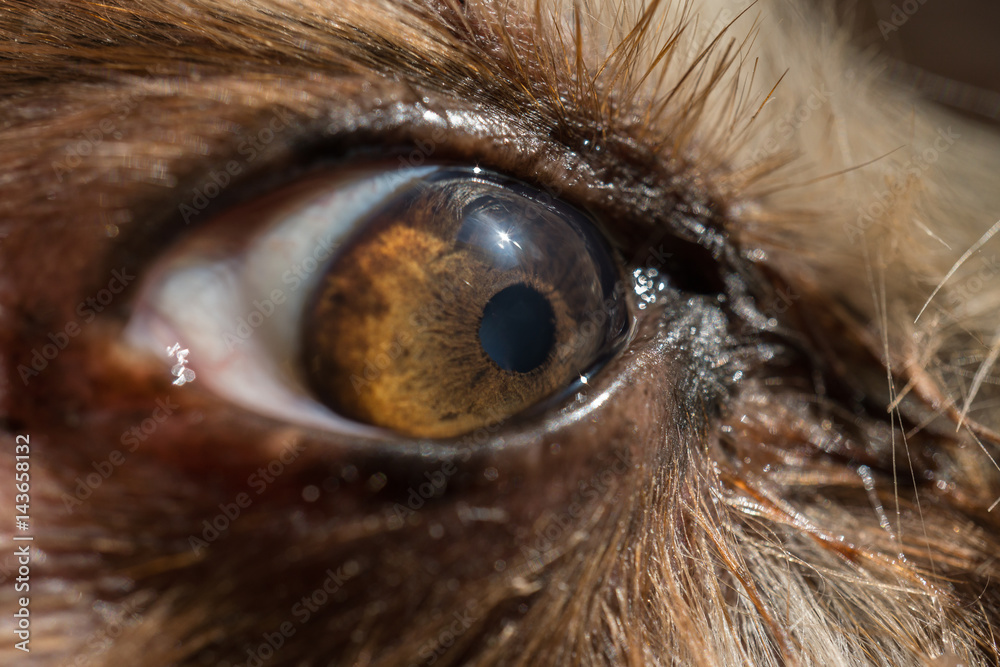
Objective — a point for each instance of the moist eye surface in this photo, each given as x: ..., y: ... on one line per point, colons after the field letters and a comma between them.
x: 466, y: 299
x: 428, y: 301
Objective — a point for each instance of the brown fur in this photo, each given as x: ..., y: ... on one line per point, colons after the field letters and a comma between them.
x: 780, y: 477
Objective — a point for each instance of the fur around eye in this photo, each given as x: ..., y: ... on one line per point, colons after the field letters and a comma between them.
x: 791, y: 460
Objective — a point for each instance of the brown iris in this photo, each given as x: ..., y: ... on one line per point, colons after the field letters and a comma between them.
x: 465, y: 299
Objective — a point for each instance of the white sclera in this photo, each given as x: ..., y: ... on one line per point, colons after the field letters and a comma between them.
x: 207, y: 300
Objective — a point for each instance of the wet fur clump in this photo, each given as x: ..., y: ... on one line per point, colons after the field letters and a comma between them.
x: 819, y: 489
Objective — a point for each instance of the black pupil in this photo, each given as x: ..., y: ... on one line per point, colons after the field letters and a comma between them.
x: 518, y: 329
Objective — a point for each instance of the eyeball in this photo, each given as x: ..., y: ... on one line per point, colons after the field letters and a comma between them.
x: 426, y: 301
x: 467, y: 298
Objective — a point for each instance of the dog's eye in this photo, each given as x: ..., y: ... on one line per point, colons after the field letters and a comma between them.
x: 430, y: 301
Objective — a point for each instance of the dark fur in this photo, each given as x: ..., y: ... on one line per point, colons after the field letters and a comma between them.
x: 721, y: 510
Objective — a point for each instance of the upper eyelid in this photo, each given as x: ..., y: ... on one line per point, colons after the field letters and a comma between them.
x: 200, y: 129
x: 317, y: 135
x: 201, y: 117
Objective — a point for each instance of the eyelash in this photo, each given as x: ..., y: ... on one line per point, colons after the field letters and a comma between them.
x: 201, y: 193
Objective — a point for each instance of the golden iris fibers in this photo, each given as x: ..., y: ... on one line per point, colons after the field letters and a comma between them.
x: 464, y: 300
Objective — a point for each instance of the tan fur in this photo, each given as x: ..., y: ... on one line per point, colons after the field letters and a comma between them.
x: 820, y: 510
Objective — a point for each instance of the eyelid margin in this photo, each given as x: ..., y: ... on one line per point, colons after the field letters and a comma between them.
x: 385, y: 120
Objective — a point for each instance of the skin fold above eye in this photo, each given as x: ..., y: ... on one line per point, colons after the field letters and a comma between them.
x: 789, y: 461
